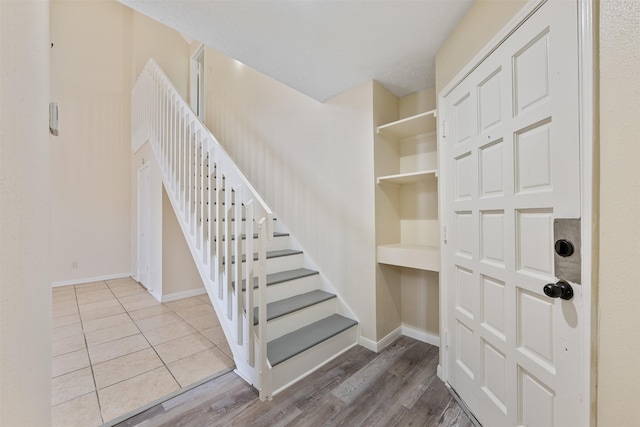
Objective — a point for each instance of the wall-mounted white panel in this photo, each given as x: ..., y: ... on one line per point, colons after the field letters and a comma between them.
x: 490, y: 174
x: 494, y: 373
x: 535, y: 332
x: 535, y: 402
x: 465, y: 348
x: 464, y: 234
x: 534, y: 234
x: 533, y: 158
x: 489, y: 102
x: 466, y: 292
x: 531, y: 74
x: 462, y: 120
x: 492, y: 237
x: 493, y: 306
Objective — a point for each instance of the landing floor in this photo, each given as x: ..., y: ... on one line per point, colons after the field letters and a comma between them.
x: 396, y: 387
x: 116, y: 348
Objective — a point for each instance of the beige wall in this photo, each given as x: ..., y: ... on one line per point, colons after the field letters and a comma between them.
x: 313, y: 164
x: 179, y: 272
x: 99, y: 49
x: 387, y: 215
x: 25, y: 220
x: 170, y: 50
x: 481, y: 23
x: 90, y: 160
x: 619, y: 291
x: 417, y: 102
x: 166, y: 46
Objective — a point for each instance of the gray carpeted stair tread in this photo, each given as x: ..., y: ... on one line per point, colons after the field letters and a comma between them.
x: 282, y: 276
x: 287, y: 346
x: 289, y: 305
x: 270, y: 255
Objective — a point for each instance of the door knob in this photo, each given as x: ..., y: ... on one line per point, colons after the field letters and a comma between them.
x: 561, y: 289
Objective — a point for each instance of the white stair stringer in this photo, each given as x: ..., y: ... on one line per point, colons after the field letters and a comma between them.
x: 292, y: 302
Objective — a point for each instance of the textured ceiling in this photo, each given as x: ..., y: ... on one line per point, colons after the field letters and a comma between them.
x: 321, y: 47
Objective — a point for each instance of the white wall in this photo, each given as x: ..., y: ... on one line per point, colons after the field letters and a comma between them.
x: 313, y: 164
x: 619, y: 290
x: 90, y: 160
x: 25, y: 219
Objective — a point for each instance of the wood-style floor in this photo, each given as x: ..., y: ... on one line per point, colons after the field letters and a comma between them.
x: 396, y: 387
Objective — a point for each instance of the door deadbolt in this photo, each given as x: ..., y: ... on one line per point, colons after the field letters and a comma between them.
x: 564, y: 248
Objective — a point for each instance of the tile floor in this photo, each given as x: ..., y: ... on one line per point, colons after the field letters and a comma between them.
x: 116, y: 348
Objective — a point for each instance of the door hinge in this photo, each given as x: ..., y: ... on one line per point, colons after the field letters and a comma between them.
x: 444, y: 129
x: 446, y: 338
x: 444, y: 234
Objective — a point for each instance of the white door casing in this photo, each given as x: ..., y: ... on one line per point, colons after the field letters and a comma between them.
x: 510, y: 159
x: 144, y: 219
x: 196, y: 83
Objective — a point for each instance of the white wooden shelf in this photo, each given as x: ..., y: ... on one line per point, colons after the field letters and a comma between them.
x: 413, y: 256
x: 411, y: 126
x: 408, y: 178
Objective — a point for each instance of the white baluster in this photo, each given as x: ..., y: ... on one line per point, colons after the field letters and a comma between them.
x: 249, y: 340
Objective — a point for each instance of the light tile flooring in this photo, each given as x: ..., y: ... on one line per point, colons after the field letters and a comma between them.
x: 116, y: 348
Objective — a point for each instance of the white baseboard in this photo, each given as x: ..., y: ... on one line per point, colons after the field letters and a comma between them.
x: 408, y: 331
x: 380, y: 345
x: 367, y: 343
x: 184, y: 294
x: 440, y: 373
x: 90, y: 279
x: 420, y: 335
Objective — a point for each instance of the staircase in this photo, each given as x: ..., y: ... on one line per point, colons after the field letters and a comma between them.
x: 278, y: 312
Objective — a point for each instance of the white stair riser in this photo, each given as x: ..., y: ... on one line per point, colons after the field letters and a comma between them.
x: 289, y: 289
x: 278, y: 264
x: 255, y: 226
x: 298, y: 319
x: 276, y: 244
x: 301, y: 365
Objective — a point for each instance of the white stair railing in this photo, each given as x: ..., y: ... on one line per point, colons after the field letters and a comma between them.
x: 210, y: 196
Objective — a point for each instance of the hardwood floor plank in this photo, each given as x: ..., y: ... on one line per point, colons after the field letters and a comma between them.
x: 326, y: 407
x: 376, y: 396
x: 329, y: 377
x: 396, y: 387
x: 350, y: 389
x: 266, y: 414
x: 430, y: 406
x: 420, y: 379
x: 454, y: 416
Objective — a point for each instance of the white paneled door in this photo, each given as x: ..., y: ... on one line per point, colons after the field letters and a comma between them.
x: 144, y: 247
x: 511, y: 163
